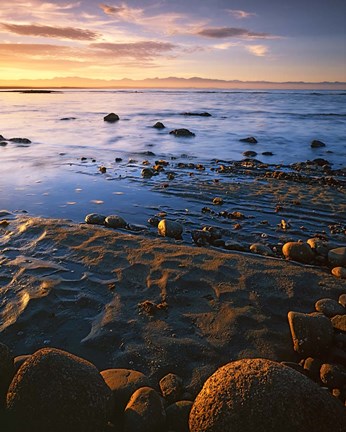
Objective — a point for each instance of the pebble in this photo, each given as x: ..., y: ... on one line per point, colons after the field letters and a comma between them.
x: 339, y: 272
x: 20, y: 140
x: 115, y: 221
x: 312, y: 334
x: 168, y: 228
x: 339, y: 322
x: 182, y: 133
x: 95, y: 218
x: 317, y: 144
x: 111, y: 118
x: 298, y: 251
x: 337, y: 257
x: 159, y: 125
x: 251, y: 140
x: 261, y: 249
x: 329, y: 307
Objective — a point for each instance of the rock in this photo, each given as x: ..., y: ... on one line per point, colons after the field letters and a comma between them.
x: 201, y: 237
x: 317, y: 144
x: 123, y: 383
x: 182, y: 133
x: 298, y: 251
x: 200, y: 114
x: 319, y: 246
x: 95, y: 219
x: 102, y: 169
x: 118, y: 159
x: 337, y: 257
x: 147, y: 173
x: 168, y: 228
x: 56, y: 391
x: 2, y: 138
x: 332, y: 376
x: 20, y: 140
x: 3, y: 143
x: 339, y: 272
x: 171, y: 387
x: 217, y: 201
x: 233, y: 245
x: 267, y: 153
x: 68, y: 118
x: 339, y: 322
x: 6, y: 371
x: 312, y: 366
x: 19, y: 360
x: 312, y: 334
x: 178, y: 416
x: 144, y: 412
x: 159, y: 125
x: 249, y: 153
x: 342, y: 300
x: 264, y: 396
x: 115, y: 221
x: 261, y: 249
x: 111, y: 118
x: 251, y: 140
x: 329, y: 307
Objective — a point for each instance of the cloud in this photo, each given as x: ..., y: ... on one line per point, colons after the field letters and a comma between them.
x: 51, y: 32
x: 232, y: 32
x: 144, y: 50
x: 36, y: 9
x: 123, y: 12
x: 240, y: 14
x: 257, y: 50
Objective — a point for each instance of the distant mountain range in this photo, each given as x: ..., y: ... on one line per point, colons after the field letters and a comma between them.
x: 170, y: 82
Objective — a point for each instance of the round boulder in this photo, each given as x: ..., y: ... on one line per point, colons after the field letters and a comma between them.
x: 298, y: 251
x: 168, y: 228
x: 159, y: 125
x: 317, y: 144
x: 329, y: 307
x: 95, y: 219
x: 171, y: 386
x: 57, y: 391
x: 264, y: 396
x: 115, y: 221
x: 111, y: 118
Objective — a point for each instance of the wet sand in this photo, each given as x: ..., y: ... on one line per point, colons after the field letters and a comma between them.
x: 125, y: 300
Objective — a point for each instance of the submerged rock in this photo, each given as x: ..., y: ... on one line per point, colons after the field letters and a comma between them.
x: 147, y: 172
x: 317, y: 144
x: 56, y: 391
x: 251, y: 140
x: 200, y: 114
x: 249, y: 153
x: 111, y: 118
x: 169, y: 228
x: 264, y: 396
x: 182, y: 133
x: 159, y: 125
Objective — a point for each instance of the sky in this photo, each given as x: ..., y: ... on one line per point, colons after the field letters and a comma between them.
x: 248, y: 40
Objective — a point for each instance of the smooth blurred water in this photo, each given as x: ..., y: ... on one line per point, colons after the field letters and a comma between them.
x: 283, y: 122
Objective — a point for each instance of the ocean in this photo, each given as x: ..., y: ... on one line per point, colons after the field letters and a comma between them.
x: 57, y: 174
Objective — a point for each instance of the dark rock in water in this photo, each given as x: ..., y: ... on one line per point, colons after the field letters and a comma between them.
x: 200, y: 114
x: 6, y: 371
x: 159, y: 125
x: 20, y: 140
x: 147, y: 172
x: 111, y: 118
x: 118, y: 159
x: 317, y: 144
x: 251, y: 140
x: 115, y: 221
x: 268, y: 153
x: 154, y: 221
x: 123, y: 383
x: 68, y: 118
x: 178, y: 416
x: 329, y: 307
x: 3, y: 143
x: 168, y: 228
x: 171, y: 387
x: 249, y: 153
x: 56, y: 391
x: 95, y: 218
x: 321, y: 162
x: 312, y: 334
x: 145, y: 412
x: 2, y: 138
x: 182, y: 133
x: 264, y: 396
x: 201, y: 237
x: 102, y: 169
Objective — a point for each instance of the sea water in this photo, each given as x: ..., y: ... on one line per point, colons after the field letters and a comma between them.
x: 57, y: 174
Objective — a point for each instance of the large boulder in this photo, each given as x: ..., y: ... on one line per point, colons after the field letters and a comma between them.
x: 57, y: 391
x: 264, y: 396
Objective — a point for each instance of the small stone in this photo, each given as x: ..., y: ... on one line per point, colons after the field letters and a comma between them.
x: 171, y: 387
x: 298, y: 251
x: 333, y: 376
x: 312, y: 334
x: 111, y: 118
x: 337, y: 257
x: 95, y: 219
x: 342, y: 300
x: 102, y: 169
x: 123, y: 383
x: 144, y: 412
x: 317, y: 144
x: 159, y: 125
x: 147, y: 172
x: 339, y: 272
x: 115, y: 221
x: 217, y: 201
x: 339, y: 322
x: 178, y: 416
x: 168, y: 228
x: 251, y: 140
x: 182, y: 133
x: 249, y: 153
x: 319, y: 246
x: 329, y: 307
x: 261, y: 249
